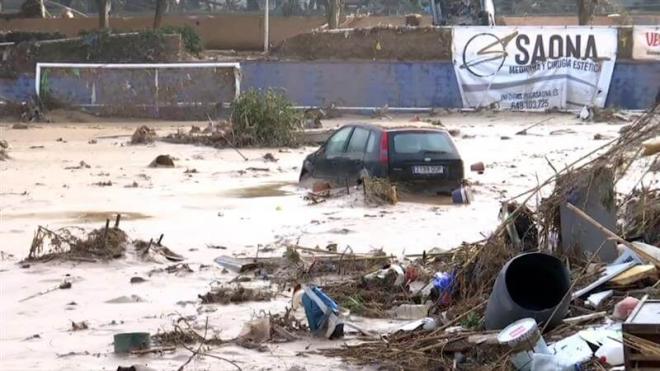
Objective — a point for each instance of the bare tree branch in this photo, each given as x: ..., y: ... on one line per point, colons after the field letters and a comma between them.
x: 198, y: 351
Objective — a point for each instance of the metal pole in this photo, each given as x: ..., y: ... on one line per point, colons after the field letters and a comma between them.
x: 266, y: 27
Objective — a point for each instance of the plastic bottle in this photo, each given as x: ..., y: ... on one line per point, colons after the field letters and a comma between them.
x: 443, y: 283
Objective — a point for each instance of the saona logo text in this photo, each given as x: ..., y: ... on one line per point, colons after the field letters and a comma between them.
x: 484, y: 53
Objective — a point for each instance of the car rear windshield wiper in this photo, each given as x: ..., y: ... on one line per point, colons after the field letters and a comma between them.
x: 435, y: 152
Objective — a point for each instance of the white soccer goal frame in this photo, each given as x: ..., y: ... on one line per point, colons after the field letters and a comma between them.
x: 155, y: 66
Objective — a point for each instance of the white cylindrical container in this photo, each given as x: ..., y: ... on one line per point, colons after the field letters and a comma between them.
x: 525, y: 339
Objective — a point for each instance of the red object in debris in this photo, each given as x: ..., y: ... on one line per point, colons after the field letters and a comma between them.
x: 479, y: 167
x: 320, y: 187
x: 623, y: 308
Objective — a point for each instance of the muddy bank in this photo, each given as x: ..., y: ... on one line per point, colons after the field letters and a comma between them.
x: 378, y: 43
x: 94, y: 47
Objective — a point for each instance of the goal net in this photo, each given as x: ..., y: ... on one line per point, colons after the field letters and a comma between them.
x: 164, y: 90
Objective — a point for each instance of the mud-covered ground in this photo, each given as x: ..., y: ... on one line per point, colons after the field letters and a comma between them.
x: 223, y: 203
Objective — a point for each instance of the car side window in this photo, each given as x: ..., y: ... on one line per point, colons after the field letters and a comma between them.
x: 371, y: 144
x: 336, y: 144
x: 358, y: 141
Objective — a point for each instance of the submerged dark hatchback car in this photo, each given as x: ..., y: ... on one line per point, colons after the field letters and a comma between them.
x: 419, y: 159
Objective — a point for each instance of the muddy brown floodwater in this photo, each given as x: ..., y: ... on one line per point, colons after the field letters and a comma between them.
x: 273, y: 189
x: 224, y: 204
x: 79, y: 216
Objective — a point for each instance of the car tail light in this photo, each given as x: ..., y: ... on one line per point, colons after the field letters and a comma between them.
x: 384, y: 148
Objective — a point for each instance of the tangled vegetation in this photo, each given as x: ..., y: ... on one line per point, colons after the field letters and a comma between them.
x: 265, y: 118
x: 99, y: 244
x: 190, y: 38
x: 141, y: 46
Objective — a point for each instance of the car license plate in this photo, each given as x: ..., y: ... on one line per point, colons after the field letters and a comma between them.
x: 428, y: 170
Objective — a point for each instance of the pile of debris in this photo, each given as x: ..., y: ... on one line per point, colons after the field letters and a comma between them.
x: 144, y: 135
x: 155, y: 251
x: 380, y: 190
x: 372, y: 296
x: 100, y: 244
x: 214, y: 135
x: 235, y: 295
x: 475, y: 307
x: 4, y: 148
x: 548, y: 289
x: 641, y: 216
x: 183, y: 333
x: 376, y: 191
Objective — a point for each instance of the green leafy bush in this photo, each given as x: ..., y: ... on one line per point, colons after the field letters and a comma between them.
x: 148, y: 39
x: 265, y: 118
x: 191, y: 40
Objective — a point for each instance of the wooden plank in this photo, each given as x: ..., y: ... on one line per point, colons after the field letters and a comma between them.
x: 584, y: 318
x: 634, y: 274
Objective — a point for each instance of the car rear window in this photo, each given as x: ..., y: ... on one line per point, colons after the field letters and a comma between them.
x: 420, y: 142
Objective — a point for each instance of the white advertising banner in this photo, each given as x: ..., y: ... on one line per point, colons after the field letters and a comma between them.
x: 534, y: 68
x: 646, y: 42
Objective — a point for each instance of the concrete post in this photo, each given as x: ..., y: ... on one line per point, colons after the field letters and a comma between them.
x: 266, y: 27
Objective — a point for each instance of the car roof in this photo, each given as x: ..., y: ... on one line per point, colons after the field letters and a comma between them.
x: 395, y: 128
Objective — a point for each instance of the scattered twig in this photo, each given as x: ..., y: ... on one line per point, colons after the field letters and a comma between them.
x: 198, y: 351
x: 524, y: 131
x: 584, y: 318
x: 455, y: 320
x: 228, y: 141
x: 199, y: 348
x: 153, y: 350
x: 61, y: 286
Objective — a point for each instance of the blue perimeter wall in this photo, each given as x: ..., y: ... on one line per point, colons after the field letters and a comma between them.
x: 414, y: 84
x: 373, y: 84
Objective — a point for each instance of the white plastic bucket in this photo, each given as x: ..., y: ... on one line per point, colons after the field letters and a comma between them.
x: 524, y: 338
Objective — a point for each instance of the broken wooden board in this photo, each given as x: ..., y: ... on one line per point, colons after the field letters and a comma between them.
x: 610, y: 272
x: 649, y: 252
x: 634, y: 274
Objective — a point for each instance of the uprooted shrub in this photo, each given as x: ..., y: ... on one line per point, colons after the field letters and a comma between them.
x: 143, y: 135
x: 229, y: 295
x: 99, y: 244
x: 380, y: 190
x: 265, y: 118
x: 4, y: 148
